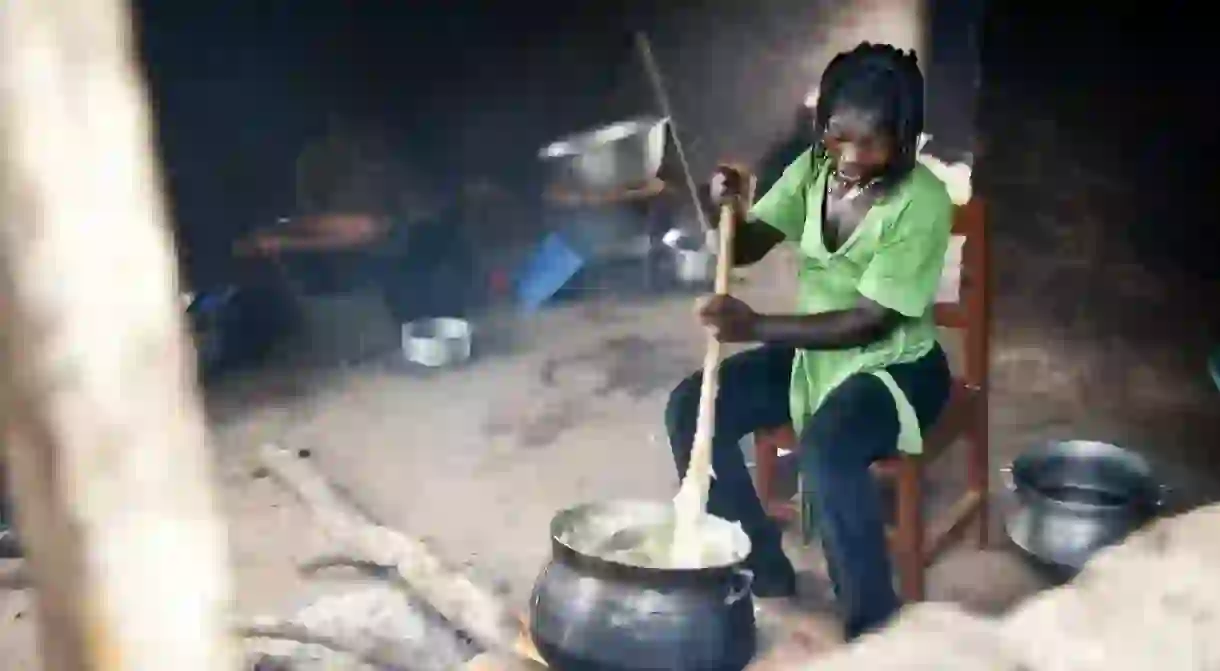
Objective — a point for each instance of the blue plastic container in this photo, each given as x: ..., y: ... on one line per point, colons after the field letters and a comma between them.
x: 551, y: 267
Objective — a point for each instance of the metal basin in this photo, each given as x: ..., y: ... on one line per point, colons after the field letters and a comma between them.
x: 617, y: 156
x: 694, y: 261
x: 438, y: 342
x: 1071, y: 499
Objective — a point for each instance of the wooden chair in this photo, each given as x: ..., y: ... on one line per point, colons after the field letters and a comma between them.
x: 914, y: 546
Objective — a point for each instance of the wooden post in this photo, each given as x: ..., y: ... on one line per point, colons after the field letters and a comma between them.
x: 101, y: 421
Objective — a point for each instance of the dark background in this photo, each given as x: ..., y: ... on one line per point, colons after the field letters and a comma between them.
x: 475, y: 87
x: 1094, y: 139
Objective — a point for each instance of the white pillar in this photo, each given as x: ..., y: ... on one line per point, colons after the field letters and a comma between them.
x: 101, y: 421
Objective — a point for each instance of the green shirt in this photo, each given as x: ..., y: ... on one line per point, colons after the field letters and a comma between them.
x: 895, y: 257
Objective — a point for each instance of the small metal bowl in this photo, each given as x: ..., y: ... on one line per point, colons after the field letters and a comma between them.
x: 694, y: 260
x: 437, y: 342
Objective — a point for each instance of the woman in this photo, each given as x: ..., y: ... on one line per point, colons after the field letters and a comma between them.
x: 423, y: 263
x: 857, y: 370
x: 368, y: 217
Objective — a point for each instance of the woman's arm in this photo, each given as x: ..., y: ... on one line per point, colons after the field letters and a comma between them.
x: 316, y: 242
x: 322, y: 233
x: 753, y: 239
x: 778, y: 216
x: 732, y: 320
x: 862, y: 325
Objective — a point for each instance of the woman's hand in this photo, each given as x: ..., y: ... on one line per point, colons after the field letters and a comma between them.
x: 727, y: 187
x: 731, y: 320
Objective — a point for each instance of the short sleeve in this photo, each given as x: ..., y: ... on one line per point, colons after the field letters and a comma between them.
x: 783, y: 206
x: 905, y: 271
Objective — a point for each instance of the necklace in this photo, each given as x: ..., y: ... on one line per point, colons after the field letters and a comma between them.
x: 853, y: 191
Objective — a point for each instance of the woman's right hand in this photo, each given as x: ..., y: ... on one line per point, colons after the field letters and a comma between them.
x: 727, y: 186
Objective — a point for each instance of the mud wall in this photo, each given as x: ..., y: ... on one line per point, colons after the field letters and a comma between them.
x: 1104, y: 283
x: 737, y: 74
x: 1103, y: 280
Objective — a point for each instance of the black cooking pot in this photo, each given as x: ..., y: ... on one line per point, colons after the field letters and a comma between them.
x: 589, y: 613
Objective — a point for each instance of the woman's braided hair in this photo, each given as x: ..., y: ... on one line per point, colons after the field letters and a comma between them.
x: 881, y: 79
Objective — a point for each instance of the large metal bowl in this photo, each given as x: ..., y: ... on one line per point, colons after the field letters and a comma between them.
x: 618, y: 156
x: 1070, y: 499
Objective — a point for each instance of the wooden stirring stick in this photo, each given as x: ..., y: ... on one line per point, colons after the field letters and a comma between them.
x: 690, y: 504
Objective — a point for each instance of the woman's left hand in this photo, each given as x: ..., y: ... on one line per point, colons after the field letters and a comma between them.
x: 730, y: 319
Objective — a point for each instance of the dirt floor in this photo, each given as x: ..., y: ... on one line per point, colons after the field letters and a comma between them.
x: 556, y: 409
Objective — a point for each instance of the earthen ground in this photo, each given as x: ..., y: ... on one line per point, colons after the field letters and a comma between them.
x: 558, y: 408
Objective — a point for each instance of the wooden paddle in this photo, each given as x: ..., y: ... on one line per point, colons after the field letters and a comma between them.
x: 690, y: 504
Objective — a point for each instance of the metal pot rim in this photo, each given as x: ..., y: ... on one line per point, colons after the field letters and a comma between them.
x: 432, y: 329
x: 578, y: 143
x: 566, y: 520
x: 1145, y: 490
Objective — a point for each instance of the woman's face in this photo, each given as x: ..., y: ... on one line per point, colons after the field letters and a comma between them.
x: 857, y: 144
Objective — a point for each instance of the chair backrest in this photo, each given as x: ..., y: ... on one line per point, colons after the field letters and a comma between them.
x: 962, y: 302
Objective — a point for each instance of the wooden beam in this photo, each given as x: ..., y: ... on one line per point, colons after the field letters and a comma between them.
x: 101, y: 421
x: 950, y: 526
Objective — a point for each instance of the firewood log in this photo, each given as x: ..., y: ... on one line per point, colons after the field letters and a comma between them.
x: 476, y: 611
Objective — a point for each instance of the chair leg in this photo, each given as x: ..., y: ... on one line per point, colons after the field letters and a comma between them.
x: 977, y: 476
x: 909, y: 543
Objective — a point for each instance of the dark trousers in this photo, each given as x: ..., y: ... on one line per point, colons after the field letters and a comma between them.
x: 856, y: 425
x: 433, y: 272
x: 416, y: 288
